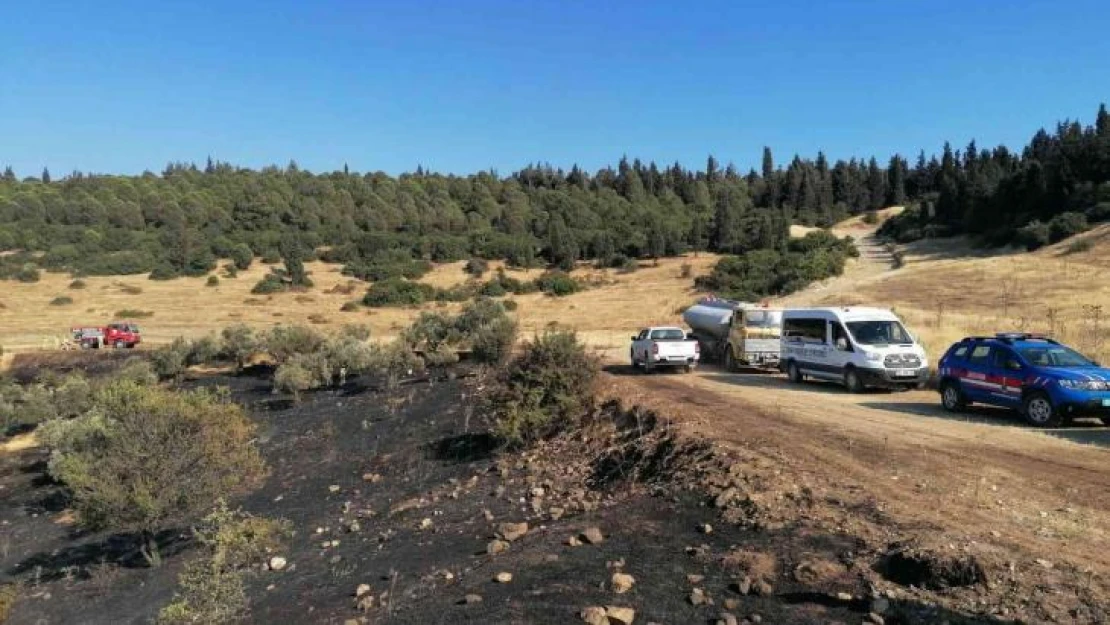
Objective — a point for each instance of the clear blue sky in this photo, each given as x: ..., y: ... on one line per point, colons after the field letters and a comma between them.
x: 460, y: 86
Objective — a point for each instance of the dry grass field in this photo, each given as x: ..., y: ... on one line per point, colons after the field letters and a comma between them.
x: 187, y: 307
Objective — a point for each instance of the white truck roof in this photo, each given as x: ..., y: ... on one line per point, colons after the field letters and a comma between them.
x: 846, y: 313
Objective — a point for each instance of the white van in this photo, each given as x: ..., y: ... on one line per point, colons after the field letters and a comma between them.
x: 859, y: 347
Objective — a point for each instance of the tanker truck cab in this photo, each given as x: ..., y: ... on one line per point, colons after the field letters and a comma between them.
x: 858, y: 347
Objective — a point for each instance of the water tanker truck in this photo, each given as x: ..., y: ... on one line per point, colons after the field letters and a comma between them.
x: 736, y: 333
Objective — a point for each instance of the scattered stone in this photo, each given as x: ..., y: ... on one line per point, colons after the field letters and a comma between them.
x: 497, y: 546
x: 743, y: 585
x: 726, y: 619
x: 336, y: 559
x: 726, y: 496
x: 426, y: 524
x: 362, y: 589
x: 880, y: 605
x: 697, y: 597
x: 694, y: 578
x: 1045, y: 563
x: 556, y: 513
x: 620, y: 616
x: 551, y: 557
x: 593, y: 535
x: 538, y: 491
x: 365, y: 602
x: 615, y: 564
x: 334, y: 488
x: 335, y: 543
x: 512, y: 531
x: 471, y: 599
x: 353, y: 526
x: 373, y: 478
x: 763, y: 589
x: 503, y: 577
x: 277, y: 563
x: 846, y: 597
x: 594, y: 615
x: 573, y: 541
x: 875, y: 619
x: 755, y: 618
x: 731, y: 603
x: 487, y: 514
x: 705, y: 528
x: 622, y: 583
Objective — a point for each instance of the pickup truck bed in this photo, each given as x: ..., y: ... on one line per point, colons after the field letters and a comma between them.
x: 664, y: 347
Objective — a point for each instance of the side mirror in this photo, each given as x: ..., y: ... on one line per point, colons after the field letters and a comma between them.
x: 842, y: 344
x: 635, y: 338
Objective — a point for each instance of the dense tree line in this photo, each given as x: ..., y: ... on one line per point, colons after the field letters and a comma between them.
x: 1057, y: 186
x: 180, y: 222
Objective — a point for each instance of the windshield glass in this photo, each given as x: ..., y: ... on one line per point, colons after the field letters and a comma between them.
x: 879, y: 332
x: 1054, y: 356
x: 763, y: 318
x: 673, y: 334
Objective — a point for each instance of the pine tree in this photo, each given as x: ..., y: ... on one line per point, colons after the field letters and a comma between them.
x: 896, y: 181
x: 1102, y: 122
x: 9, y: 174
x: 45, y: 176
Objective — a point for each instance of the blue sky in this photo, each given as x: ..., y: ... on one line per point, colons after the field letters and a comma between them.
x: 462, y: 86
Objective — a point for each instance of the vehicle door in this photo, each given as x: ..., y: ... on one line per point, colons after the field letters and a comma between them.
x: 975, y: 380
x: 640, y: 345
x: 840, y: 351
x: 1007, y: 374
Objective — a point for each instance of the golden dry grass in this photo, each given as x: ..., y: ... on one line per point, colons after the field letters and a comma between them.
x: 604, y: 315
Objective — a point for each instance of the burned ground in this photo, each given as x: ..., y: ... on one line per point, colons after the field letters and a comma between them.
x: 402, y: 491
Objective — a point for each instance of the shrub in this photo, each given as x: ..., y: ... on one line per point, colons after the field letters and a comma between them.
x: 163, y: 271
x: 133, y: 313
x: 1033, y: 235
x: 77, y: 284
x: 293, y: 378
x: 270, y: 283
x: 393, y: 361
x: 271, y: 257
x: 284, y: 341
x: 137, y: 370
x: 211, y: 588
x: 544, y: 390
x: 145, y: 458
x: 476, y: 267
x: 557, y: 283
x: 130, y: 289
x: 1065, y: 225
x: 1080, y: 246
x: 170, y: 361
x: 230, y: 271
x: 28, y: 273
x: 239, y: 343
x: 349, y: 307
x: 204, y: 350
x: 871, y: 218
x: 356, y: 331
x: 510, y: 305
x: 212, y: 281
x: 686, y: 271
x: 628, y: 265
x: 398, y: 292
x: 430, y: 331
x: 493, y: 288
x: 61, y: 300
x: 241, y: 256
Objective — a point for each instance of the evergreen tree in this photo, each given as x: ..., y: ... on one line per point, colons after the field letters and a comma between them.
x: 45, y: 175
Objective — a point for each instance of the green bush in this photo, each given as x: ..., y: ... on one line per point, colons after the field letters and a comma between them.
x: 476, y: 267
x: 545, y: 390
x: 1033, y: 235
x: 204, y: 351
x: 138, y: 371
x: 557, y: 283
x: 212, y: 281
x: 270, y: 283
x: 398, y: 292
x: 170, y: 361
x: 293, y: 378
x: 77, y: 284
x: 164, y: 271
x: 241, y: 256
x: 239, y: 343
x: 510, y: 305
x: 762, y: 273
x: 133, y: 313
x: 430, y: 331
x: 145, y: 458
x: 271, y: 257
x: 61, y: 300
x: 1080, y: 246
x: 394, y: 361
x: 284, y: 341
x: 349, y: 307
x: 28, y: 273
x: 871, y: 218
x: 1065, y: 225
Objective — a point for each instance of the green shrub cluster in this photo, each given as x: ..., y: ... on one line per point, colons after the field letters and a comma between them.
x: 546, y: 389
x: 764, y: 273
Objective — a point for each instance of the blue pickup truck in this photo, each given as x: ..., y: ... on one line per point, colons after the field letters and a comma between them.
x: 1048, y: 382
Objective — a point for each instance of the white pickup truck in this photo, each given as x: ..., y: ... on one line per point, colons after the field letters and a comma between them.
x: 664, y: 346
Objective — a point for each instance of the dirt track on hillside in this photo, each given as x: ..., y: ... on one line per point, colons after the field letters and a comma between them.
x: 984, y: 480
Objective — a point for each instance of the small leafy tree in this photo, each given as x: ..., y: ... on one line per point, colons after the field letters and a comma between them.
x: 395, y: 360
x: 285, y: 340
x: 239, y: 344
x: 170, y: 361
x: 144, y: 458
x: 293, y: 378
x: 241, y: 256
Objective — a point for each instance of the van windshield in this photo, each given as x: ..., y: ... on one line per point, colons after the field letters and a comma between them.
x: 763, y: 318
x: 879, y: 333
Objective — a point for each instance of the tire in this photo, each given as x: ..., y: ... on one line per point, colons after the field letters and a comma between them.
x: 688, y: 369
x: 1105, y: 420
x: 730, y: 362
x: 793, y: 373
x: 852, y: 381
x: 632, y: 356
x: 118, y: 345
x: 951, y: 397
x: 1039, y: 411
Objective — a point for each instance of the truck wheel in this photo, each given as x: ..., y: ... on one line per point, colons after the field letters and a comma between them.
x: 118, y: 345
x: 951, y: 397
x: 852, y: 381
x: 1039, y: 411
x: 688, y: 369
x: 793, y: 373
x: 632, y: 356
x: 730, y: 362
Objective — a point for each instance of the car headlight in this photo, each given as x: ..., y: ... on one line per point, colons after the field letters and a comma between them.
x: 1084, y: 385
x: 874, y: 356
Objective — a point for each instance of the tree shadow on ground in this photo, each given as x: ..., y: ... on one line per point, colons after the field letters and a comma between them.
x: 119, y: 549
x: 464, y: 448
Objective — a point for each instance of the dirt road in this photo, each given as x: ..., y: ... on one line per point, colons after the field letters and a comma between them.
x: 983, y: 477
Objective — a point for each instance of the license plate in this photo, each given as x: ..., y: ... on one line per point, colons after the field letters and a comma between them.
x: 905, y: 373
x: 1106, y: 403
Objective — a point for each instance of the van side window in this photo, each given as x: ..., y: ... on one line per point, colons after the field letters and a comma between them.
x: 838, y: 332
x: 980, y: 355
x: 804, y: 330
